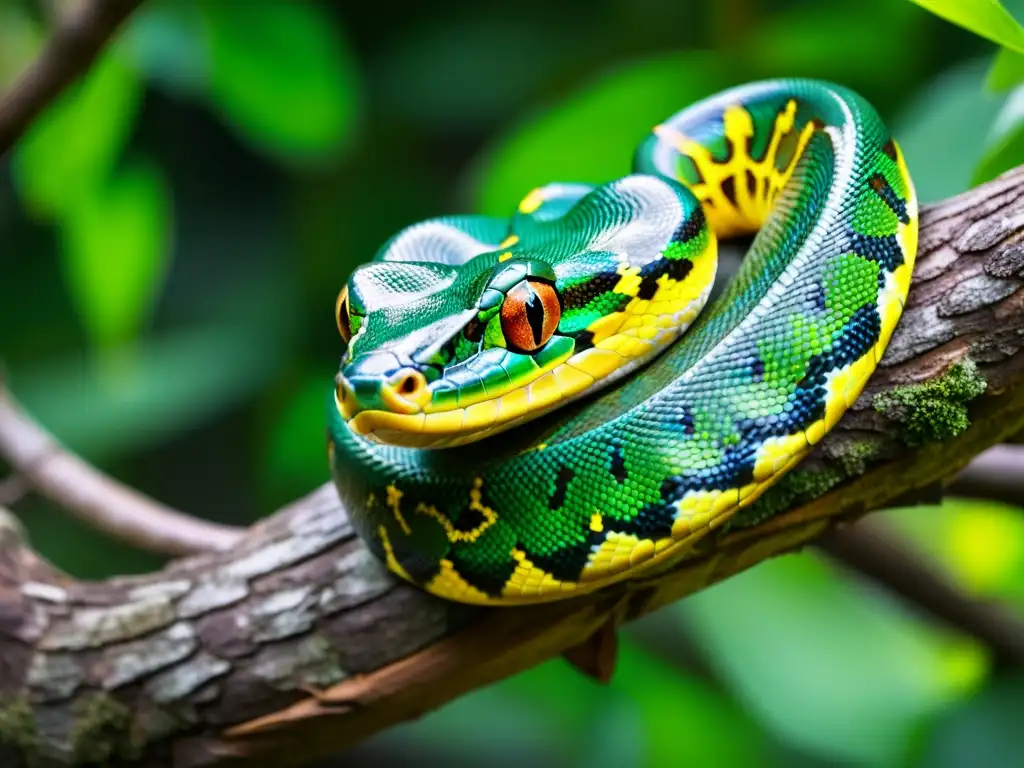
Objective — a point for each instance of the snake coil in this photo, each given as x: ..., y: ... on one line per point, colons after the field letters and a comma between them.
x: 453, y: 443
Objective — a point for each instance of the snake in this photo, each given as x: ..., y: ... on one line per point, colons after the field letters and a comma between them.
x: 534, y: 407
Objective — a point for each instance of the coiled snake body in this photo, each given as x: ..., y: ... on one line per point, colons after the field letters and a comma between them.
x: 465, y: 328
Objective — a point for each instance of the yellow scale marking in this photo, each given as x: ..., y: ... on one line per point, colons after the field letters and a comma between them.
x: 394, y: 502
x: 449, y: 582
x: 748, y: 213
x: 529, y: 580
x: 476, y: 504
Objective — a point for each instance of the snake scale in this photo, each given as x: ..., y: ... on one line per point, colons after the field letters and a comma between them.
x: 475, y: 436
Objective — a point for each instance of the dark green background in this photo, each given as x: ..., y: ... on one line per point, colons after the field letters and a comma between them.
x: 174, y: 233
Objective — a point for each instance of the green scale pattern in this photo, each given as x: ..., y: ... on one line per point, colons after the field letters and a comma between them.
x: 754, y: 366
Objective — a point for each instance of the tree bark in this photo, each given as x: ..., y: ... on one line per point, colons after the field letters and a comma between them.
x: 296, y: 642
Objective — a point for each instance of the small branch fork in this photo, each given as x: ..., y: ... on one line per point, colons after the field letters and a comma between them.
x: 78, y: 39
x: 214, y: 658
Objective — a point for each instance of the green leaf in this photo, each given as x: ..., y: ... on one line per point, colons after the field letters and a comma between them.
x: 1007, y: 71
x: 115, y: 245
x: 987, y: 18
x: 165, y: 42
x: 281, y: 76
x: 832, y: 670
x: 1007, y: 68
x: 1006, y: 144
x: 591, y: 135
x: 75, y: 143
x: 943, y: 130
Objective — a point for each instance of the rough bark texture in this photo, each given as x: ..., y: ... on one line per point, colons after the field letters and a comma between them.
x: 296, y: 642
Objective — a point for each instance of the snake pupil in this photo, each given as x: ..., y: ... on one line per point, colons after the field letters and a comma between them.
x: 535, y: 316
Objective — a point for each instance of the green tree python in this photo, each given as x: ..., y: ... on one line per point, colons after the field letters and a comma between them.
x: 475, y: 438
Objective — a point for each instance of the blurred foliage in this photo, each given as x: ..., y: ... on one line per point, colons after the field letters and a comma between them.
x: 987, y: 18
x: 177, y: 225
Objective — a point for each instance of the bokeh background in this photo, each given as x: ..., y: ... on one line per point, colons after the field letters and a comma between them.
x: 174, y: 231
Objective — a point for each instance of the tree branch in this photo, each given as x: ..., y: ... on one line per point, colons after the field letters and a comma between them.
x: 98, y: 499
x: 296, y: 642
x: 869, y: 549
x: 997, y: 474
x: 76, y: 42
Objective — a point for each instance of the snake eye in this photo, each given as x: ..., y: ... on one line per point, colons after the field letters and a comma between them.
x: 341, y: 315
x: 529, y: 315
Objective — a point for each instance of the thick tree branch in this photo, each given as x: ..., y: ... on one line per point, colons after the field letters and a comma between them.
x: 99, y: 500
x: 76, y: 42
x: 296, y: 642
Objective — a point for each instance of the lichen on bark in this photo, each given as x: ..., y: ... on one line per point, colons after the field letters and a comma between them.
x: 934, y: 410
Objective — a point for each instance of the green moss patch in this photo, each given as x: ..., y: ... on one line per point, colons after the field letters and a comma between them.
x: 18, y: 734
x: 936, y: 410
x: 104, y: 732
x: 797, y: 486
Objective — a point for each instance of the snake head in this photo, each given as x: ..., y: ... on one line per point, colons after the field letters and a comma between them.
x: 458, y: 331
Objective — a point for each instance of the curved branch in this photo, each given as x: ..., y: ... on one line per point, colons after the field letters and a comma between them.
x: 98, y: 499
x: 296, y: 642
x: 76, y: 42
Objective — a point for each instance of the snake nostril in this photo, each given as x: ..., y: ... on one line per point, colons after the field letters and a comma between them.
x: 409, y: 384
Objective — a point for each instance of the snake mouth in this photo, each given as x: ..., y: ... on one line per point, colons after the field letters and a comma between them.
x: 404, y: 393
x: 571, y: 378
x: 460, y: 408
x: 443, y: 429
x: 406, y: 424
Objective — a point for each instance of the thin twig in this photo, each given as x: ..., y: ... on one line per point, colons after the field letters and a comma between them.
x: 98, y: 499
x: 870, y: 548
x: 76, y: 42
x: 996, y: 474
